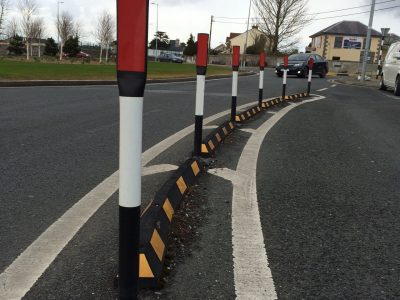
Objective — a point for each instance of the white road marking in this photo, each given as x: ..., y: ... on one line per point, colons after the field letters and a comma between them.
x: 252, y: 275
x: 25, y: 270
x: 271, y: 112
x: 210, y: 127
x: 248, y: 130
x: 334, y: 85
x: 321, y: 90
x: 151, y: 170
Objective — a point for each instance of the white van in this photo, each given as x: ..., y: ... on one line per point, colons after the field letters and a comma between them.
x: 391, y: 70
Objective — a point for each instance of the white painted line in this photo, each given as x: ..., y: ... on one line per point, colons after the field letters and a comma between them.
x: 210, y: 127
x: 333, y: 85
x: 156, y: 169
x: 252, y: 275
x: 321, y: 90
x: 25, y: 270
x: 248, y: 130
x: 272, y: 112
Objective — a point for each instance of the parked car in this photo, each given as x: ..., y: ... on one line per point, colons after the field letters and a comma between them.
x: 390, y: 76
x: 298, y: 65
x: 170, y: 58
x: 83, y: 55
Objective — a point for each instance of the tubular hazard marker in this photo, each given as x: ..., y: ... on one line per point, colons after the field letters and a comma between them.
x: 261, y: 86
x: 235, y: 79
x: 310, y: 71
x: 285, y: 71
x: 201, y: 68
x: 132, y: 22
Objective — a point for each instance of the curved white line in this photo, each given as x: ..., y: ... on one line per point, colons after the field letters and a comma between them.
x: 26, y: 269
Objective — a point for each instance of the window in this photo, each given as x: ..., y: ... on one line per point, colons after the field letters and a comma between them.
x: 338, y: 42
x: 336, y: 58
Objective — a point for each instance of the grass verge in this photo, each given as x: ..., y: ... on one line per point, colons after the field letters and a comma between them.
x: 23, y: 70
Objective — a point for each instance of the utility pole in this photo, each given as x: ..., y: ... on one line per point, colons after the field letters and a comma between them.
x: 368, y: 42
x: 209, y: 41
x: 247, y: 35
x: 58, y: 22
x: 154, y: 3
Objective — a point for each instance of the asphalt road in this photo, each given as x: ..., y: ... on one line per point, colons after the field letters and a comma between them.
x: 326, y: 180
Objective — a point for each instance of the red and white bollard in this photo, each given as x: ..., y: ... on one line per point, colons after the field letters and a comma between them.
x: 235, y: 79
x: 310, y: 72
x: 285, y: 71
x: 201, y: 69
x: 261, y: 85
x: 132, y: 23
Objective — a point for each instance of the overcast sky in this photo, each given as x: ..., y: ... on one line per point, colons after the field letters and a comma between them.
x: 179, y: 18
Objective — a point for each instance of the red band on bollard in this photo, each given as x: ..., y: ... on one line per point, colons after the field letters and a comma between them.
x: 262, y: 60
x: 202, y: 50
x: 286, y: 61
x: 132, y: 35
x: 236, y: 56
x: 311, y: 63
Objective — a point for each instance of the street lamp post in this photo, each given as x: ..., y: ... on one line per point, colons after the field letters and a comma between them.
x: 247, y: 35
x: 58, y: 21
x: 154, y: 3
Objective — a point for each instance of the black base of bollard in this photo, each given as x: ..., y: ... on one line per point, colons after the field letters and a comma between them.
x: 260, y: 97
x: 284, y: 92
x: 308, y: 88
x: 233, y: 108
x: 129, y: 231
x: 198, y: 134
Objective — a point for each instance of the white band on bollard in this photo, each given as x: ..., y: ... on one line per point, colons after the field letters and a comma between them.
x: 235, y: 79
x: 130, y: 170
x: 284, y: 76
x: 261, y: 80
x: 309, y: 75
x: 201, y: 85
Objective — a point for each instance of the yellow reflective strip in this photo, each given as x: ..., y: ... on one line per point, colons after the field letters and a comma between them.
x: 168, y: 209
x: 231, y: 125
x: 204, y: 148
x: 195, y: 168
x: 237, y: 119
x: 211, y: 144
x: 181, y: 185
x: 144, y: 267
x: 218, y: 137
x: 157, y: 244
x: 225, y: 131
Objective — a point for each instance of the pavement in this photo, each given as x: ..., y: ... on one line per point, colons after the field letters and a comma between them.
x: 325, y: 177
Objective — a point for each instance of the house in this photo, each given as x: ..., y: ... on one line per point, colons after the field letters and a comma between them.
x: 345, y: 41
x: 239, y: 39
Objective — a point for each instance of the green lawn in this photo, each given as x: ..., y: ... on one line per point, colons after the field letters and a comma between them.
x: 22, y: 70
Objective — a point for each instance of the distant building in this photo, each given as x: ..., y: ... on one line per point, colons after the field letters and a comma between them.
x: 345, y: 41
x: 239, y: 39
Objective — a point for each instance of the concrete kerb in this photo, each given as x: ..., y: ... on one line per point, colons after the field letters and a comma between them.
x: 32, y: 83
x: 156, y: 219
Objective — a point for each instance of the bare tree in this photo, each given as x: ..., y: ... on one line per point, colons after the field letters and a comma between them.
x: 12, y: 28
x: 105, y: 32
x: 28, y: 9
x: 282, y: 20
x: 4, y: 7
x: 66, y: 29
x: 38, y: 32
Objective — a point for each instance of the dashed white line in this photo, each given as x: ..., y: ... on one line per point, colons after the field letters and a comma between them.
x: 248, y: 130
x: 321, y: 90
x: 333, y: 85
